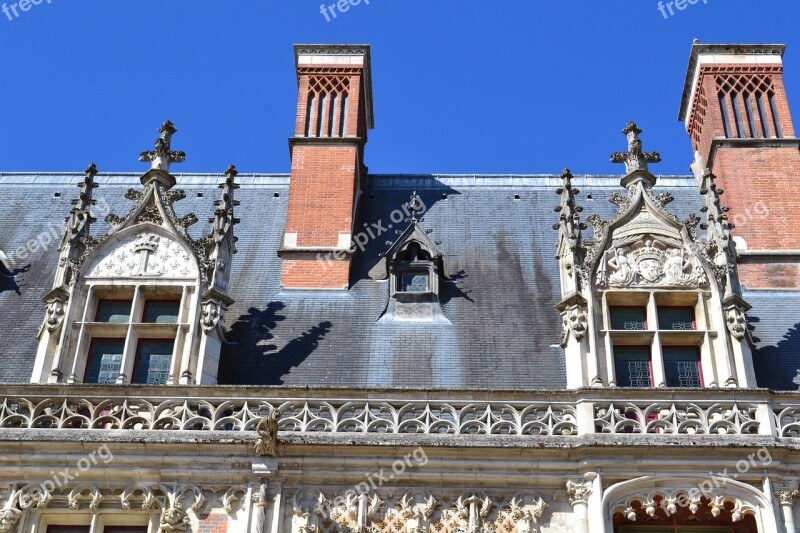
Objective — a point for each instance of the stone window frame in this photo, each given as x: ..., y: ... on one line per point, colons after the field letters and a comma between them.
x: 134, y: 330
x: 654, y: 337
x: 426, y: 266
x: 98, y: 522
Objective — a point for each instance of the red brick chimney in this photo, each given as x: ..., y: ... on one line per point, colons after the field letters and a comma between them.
x: 334, y: 113
x: 737, y: 115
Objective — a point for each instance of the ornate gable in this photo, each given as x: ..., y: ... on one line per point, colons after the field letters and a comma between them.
x: 643, y: 244
x: 623, y: 288
x: 145, y: 287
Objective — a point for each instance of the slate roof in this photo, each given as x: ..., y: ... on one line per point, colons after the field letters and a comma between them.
x: 499, y: 296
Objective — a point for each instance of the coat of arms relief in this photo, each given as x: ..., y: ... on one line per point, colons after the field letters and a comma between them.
x: 650, y: 263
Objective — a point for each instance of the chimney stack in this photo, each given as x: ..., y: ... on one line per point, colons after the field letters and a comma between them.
x: 736, y: 113
x: 334, y: 114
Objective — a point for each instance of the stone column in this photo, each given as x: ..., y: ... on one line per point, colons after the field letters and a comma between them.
x: 578, y: 492
x: 786, y: 499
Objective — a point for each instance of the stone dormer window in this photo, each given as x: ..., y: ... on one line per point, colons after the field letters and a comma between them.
x: 414, y: 268
x: 144, y: 303
x: 647, y: 302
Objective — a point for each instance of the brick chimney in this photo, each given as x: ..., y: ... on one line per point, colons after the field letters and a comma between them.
x: 334, y: 114
x: 737, y: 115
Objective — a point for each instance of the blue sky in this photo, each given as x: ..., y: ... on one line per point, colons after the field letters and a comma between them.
x: 460, y: 86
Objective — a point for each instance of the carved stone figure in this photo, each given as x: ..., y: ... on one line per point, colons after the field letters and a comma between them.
x: 736, y: 321
x: 9, y: 516
x: 211, y: 315
x: 267, y: 441
x: 575, y: 321
x: 54, y: 314
x: 621, y: 265
x: 174, y: 519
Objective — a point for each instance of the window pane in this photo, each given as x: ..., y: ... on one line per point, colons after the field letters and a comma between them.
x: 682, y: 366
x: 632, y: 364
x: 676, y: 318
x: 113, y: 311
x: 414, y: 282
x: 105, y: 359
x: 161, y: 311
x: 67, y: 529
x: 153, y: 361
x: 628, y: 318
x: 125, y: 529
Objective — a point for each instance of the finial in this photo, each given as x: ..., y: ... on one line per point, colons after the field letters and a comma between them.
x: 416, y: 206
x: 162, y: 157
x: 569, y: 219
x: 635, y: 159
x: 223, y: 218
x: 91, y: 170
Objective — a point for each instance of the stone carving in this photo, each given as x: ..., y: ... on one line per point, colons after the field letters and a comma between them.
x: 174, y: 519
x: 88, y: 493
x: 650, y: 264
x: 173, y: 515
x: 267, y: 440
x: 662, y: 503
x: 787, y: 497
x: 10, y: 512
x: 55, y: 304
x: 575, y: 321
x: 569, y: 218
x: 526, y: 509
x: 578, y: 491
x: 145, y: 255
x: 736, y: 322
x: 635, y: 159
x: 212, y: 315
x: 678, y: 418
x: 417, y: 508
x: 471, y: 511
x: 540, y: 417
x: 162, y: 157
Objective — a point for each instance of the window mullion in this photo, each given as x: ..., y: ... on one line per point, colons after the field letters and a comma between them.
x: 656, y: 356
x: 131, y: 338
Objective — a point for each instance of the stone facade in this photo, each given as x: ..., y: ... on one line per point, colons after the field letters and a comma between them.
x: 138, y: 418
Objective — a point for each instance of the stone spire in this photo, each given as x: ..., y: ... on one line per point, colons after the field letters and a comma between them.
x: 569, y: 218
x: 162, y: 157
x: 635, y: 159
x: 416, y: 206
x: 223, y: 219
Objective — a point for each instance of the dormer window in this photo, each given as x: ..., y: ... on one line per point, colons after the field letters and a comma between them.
x: 663, y: 302
x: 413, y: 266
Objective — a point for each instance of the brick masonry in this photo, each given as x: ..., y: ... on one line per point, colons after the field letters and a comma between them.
x: 213, y: 523
x: 325, y: 173
x: 761, y: 179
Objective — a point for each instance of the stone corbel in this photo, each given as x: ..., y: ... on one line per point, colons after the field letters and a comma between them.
x: 10, y: 512
x: 212, y: 316
x: 735, y: 318
x: 574, y: 317
x: 55, y: 309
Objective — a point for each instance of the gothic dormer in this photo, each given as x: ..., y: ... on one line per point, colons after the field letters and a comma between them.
x: 145, y: 302
x: 414, y: 269
x: 646, y: 301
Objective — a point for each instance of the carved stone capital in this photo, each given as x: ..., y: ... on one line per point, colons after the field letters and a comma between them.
x: 578, y: 491
x: 787, y: 497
